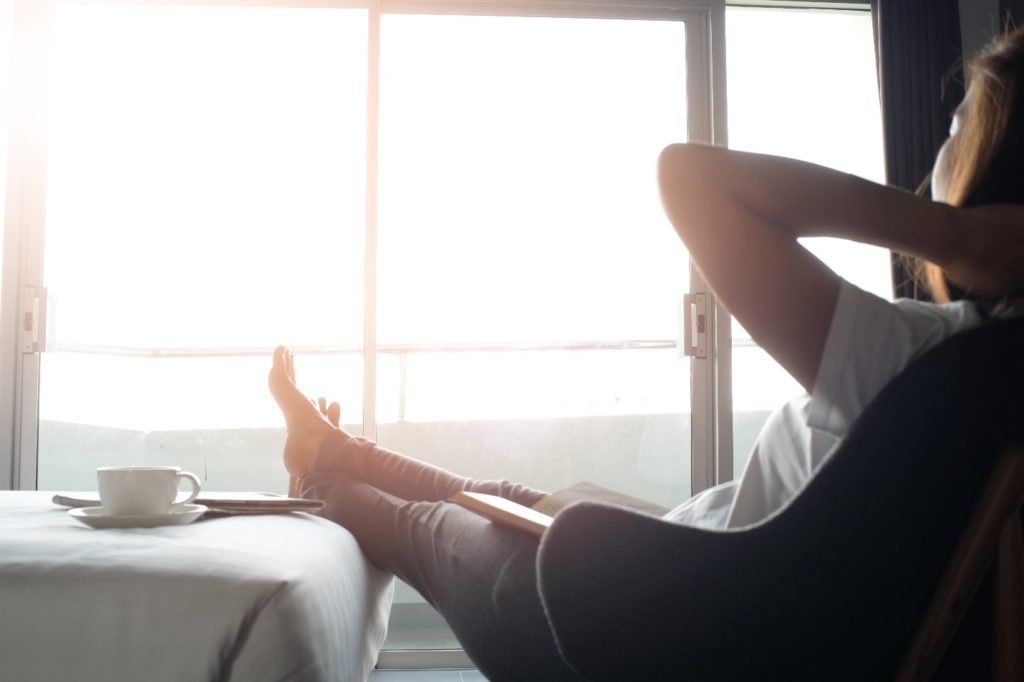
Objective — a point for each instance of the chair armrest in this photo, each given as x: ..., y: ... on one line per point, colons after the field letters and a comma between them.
x: 603, y: 574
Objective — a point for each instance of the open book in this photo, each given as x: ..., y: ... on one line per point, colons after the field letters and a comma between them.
x: 222, y: 502
x: 536, y: 519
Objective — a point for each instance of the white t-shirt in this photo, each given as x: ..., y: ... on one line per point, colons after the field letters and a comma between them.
x: 869, y: 342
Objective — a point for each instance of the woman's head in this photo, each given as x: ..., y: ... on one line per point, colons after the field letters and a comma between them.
x: 982, y: 162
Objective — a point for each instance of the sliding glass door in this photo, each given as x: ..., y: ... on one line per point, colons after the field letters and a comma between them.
x: 528, y: 277
x: 205, y: 201
x: 529, y: 281
x: 449, y: 210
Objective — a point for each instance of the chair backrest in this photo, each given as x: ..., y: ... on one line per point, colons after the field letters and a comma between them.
x: 834, y: 585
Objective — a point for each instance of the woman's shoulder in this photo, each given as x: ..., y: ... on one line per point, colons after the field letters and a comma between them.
x: 870, y: 341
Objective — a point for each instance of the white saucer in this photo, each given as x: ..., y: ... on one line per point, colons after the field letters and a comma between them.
x: 179, y: 515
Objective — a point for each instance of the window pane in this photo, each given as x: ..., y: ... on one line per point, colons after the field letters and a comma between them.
x: 518, y: 197
x: 205, y: 194
x: 519, y: 205
x: 6, y: 21
x: 824, y: 110
x: 590, y: 383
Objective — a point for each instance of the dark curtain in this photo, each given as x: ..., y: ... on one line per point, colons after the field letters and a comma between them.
x: 917, y: 45
x: 1013, y: 12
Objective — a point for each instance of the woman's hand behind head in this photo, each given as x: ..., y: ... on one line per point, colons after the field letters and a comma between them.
x: 988, y: 259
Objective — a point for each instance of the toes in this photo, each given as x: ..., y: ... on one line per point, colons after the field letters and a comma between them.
x: 282, y: 384
x: 282, y: 363
x: 332, y: 411
x: 277, y: 369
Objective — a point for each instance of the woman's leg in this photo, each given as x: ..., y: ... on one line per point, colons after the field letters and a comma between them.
x: 480, y: 576
x: 314, y: 442
x: 405, y: 477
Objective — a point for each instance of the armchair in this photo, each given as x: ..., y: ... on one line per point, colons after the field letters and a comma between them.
x: 863, y: 575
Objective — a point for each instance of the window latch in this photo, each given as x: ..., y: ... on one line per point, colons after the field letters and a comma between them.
x: 694, y: 324
x: 33, y: 320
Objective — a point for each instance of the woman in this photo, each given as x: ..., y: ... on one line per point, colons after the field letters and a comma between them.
x: 740, y: 215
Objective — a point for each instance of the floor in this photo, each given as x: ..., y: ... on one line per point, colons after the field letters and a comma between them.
x: 413, y: 626
x: 426, y: 676
x: 417, y: 625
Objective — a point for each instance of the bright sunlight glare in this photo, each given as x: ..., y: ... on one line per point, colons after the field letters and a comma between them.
x: 207, y: 183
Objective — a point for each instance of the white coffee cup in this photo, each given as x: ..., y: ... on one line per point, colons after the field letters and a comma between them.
x: 142, y: 491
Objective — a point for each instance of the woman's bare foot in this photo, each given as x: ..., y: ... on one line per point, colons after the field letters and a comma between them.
x: 307, y: 425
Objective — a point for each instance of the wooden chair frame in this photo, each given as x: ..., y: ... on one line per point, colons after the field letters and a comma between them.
x: 994, y: 531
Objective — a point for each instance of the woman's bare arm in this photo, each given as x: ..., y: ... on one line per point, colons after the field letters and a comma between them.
x: 741, y: 214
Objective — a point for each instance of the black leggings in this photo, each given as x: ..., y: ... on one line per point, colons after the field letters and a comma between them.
x: 480, y: 576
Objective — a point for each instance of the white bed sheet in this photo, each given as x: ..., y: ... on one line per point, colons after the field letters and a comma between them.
x: 247, y: 598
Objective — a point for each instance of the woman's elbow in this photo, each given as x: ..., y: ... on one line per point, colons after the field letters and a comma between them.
x: 682, y: 179
x: 683, y: 168
x: 671, y: 161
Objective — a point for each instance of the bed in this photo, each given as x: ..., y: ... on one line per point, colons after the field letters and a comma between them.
x: 261, y: 597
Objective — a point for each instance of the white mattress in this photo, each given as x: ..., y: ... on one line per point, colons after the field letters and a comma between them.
x: 276, y: 597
